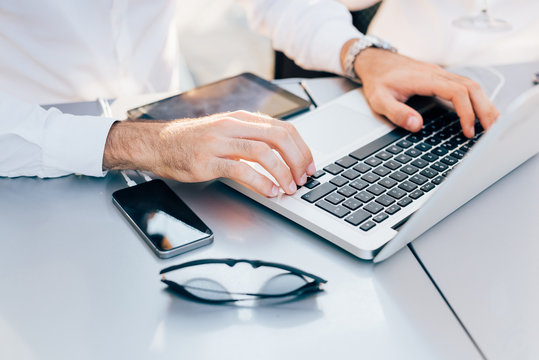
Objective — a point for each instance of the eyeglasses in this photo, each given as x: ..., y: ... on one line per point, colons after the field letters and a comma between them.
x: 221, y: 281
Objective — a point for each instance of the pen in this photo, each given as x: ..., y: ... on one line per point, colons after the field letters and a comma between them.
x: 304, y: 87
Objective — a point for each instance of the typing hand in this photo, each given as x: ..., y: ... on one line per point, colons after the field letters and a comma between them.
x: 193, y: 150
x: 389, y: 79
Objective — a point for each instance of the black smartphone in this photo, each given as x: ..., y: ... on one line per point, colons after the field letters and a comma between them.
x: 241, y: 92
x: 163, y: 220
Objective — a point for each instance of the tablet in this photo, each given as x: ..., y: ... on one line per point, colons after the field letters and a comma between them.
x: 242, y: 92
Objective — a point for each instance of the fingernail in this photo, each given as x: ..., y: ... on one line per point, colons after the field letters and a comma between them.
x: 302, y: 179
x: 311, y: 169
x: 292, y: 187
x: 274, y: 191
x: 472, y: 131
x: 413, y: 123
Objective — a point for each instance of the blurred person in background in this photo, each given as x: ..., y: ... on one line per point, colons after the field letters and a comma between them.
x: 81, y: 50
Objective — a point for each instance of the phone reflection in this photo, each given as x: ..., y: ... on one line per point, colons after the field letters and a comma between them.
x: 167, y: 232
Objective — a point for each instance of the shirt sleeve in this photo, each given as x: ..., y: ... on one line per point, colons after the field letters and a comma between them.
x: 49, y: 143
x: 312, y: 32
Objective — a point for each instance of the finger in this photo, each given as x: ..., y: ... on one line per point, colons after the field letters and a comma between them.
x: 291, y: 129
x: 451, y: 90
x: 245, y: 175
x: 400, y: 114
x: 484, y: 109
x: 262, y: 154
x: 277, y: 137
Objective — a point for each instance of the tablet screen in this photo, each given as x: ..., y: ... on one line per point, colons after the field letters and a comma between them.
x: 242, y: 92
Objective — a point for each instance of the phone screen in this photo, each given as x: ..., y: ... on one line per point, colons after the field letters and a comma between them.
x: 242, y: 92
x: 162, y: 218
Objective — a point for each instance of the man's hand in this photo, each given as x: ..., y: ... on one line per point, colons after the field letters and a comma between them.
x: 193, y: 150
x: 389, y: 79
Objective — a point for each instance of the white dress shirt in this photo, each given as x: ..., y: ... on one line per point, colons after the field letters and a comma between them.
x: 59, y: 51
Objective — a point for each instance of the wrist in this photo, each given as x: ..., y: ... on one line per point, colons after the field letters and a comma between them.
x: 353, y: 50
x: 131, y: 145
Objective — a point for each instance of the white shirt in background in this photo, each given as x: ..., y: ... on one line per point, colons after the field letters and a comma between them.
x: 58, y: 51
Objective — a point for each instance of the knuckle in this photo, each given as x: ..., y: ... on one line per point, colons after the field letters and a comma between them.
x: 260, y: 149
x: 240, y: 113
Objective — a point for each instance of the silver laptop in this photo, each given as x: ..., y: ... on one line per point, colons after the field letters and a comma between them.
x: 379, y: 187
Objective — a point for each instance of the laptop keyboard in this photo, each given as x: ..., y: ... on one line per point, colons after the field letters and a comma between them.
x: 376, y: 181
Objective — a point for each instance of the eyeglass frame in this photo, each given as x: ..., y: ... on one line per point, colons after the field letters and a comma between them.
x: 309, y: 287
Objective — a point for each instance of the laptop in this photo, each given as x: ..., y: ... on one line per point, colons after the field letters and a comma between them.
x: 379, y: 187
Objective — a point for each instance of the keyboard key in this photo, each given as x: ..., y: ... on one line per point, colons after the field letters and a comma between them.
x: 394, y: 149
x: 380, y: 217
x: 416, y: 194
x: 458, y: 154
x: 427, y: 187
x: 318, y: 174
x: 373, y: 207
x: 449, y: 160
x: 449, y: 145
x: 385, y: 200
x: 367, y: 226
x: 392, y: 164
x: 373, y: 161
x: 362, y: 168
x: 414, y: 138
x: 405, y: 202
x: 319, y: 192
x: 384, y: 155
x: 409, y: 169
x: 358, y: 217
x: 359, y: 184
x: 429, y: 157
x: 388, y: 183
x: 338, y: 181
x: 364, y: 196
x: 392, y: 209
x: 405, y: 144
x: 420, y: 163
x: 439, y: 166
x: 335, y: 198
x: 339, y: 211
x: 370, y: 177
x: 438, y: 180
x: 403, y: 158
x: 418, y: 179
x: 459, y: 138
x: 398, y: 175
x: 347, y: 191
x: 439, y: 151
x: 378, y: 144
x: 334, y: 169
x: 397, y: 193
x: 408, y: 186
x: 429, y: 173
x: 352, y: 203
x: 382, y: 171
x: 311, y: 183
x: 413, y: 152
x: 432, y: 141
x: 346, y: 161
x: 423, y: 147
x: 376, y: 189
x: 351, y: 174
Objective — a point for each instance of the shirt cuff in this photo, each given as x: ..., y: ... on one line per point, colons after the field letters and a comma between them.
x: 74, y: 144
x: 328, y: 42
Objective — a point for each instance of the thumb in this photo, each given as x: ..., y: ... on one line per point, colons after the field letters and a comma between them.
x: 397, y: 112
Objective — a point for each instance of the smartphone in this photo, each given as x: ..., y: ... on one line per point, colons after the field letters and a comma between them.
x: 241, y: 92
x: 164, y: 221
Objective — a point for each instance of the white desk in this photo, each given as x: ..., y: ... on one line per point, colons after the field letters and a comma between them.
x: 485, y: 256
x: 77, y: 282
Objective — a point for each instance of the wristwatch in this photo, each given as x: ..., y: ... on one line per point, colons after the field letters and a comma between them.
x: 357, y: 47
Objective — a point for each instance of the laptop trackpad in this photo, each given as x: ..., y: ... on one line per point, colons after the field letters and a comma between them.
x: 328, y: 129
